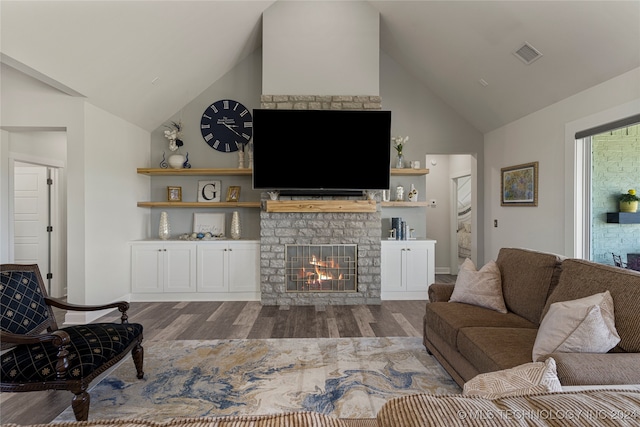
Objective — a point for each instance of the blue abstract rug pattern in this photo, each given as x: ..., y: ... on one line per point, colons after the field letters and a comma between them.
x: 343, y: 377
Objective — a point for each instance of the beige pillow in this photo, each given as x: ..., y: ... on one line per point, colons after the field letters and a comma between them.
x: 530, y: 378
x: 482, y: 288
x: 585, y: 325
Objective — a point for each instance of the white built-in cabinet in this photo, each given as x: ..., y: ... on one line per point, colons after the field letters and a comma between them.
x: 195, y: 271
x: 228, y: 267
x: 163, y: 267
x: 407, y: 269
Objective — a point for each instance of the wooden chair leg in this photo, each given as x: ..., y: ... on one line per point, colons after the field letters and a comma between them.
x: 80, y: 405
x: 138, y: 358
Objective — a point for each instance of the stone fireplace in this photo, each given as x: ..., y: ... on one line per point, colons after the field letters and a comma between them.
x: 281, y: 231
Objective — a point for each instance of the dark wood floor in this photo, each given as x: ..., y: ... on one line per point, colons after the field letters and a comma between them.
x: 233, y: 320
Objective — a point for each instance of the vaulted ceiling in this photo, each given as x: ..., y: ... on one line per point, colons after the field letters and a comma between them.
x: 144, y: 60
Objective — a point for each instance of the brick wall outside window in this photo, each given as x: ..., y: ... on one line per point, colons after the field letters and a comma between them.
x: 615, y: 169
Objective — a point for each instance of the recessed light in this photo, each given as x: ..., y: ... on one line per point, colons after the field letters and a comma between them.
x: 483, y: 82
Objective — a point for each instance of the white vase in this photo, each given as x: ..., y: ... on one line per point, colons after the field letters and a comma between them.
x: 164, y: 230
x: 240, y: 159
x: 176, y: 161
x: 235, y: 225
x: 413, y: 194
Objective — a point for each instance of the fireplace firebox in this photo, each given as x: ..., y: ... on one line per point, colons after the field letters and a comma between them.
x: 321, y: 268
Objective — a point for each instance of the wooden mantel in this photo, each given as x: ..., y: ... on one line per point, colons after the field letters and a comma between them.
x: 320, y: 206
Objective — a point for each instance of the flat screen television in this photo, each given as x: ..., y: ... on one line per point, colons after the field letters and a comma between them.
x: 321, y: 152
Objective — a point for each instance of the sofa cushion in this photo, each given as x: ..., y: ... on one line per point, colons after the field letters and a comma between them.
x: 494, y: 349
x: 479, y: 287
x: 584, y: 325
x: 529, y: 378
x: 449, y: 317
x: 528, y: 277
x: 582, y: 278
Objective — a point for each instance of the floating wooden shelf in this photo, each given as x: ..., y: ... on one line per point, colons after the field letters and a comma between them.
x: 236, y: 171
x: 320, y: 205
x: 623, y: 217
x: 404, y: 204
x: 409, y: 172
x: 213, y: 205
x: 192, y: 172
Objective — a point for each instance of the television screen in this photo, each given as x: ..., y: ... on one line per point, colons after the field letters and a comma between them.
x: 321, y: 151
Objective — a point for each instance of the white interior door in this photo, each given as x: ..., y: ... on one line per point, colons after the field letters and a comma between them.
x: 31, y: 217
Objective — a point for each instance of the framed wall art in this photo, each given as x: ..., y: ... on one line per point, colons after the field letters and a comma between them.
x: 519, y: 185
x: 174, y: 194
x: 209, y: 191
x: 233, y: 193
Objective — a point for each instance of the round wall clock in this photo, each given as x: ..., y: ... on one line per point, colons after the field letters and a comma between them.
x: 226, y: 125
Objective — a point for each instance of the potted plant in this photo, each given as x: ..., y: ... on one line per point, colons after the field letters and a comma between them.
x: 629, y: 201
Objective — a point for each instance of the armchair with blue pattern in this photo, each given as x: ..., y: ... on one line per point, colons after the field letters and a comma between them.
x: 42, y: 356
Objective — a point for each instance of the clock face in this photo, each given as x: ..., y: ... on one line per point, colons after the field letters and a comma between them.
x: 226, y: 125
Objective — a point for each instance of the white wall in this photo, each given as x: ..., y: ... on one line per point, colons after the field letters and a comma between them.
x: 434, y: 128
x: 546, y: 136
x: 103, y: 152
x: 114, y: 149
x: 320, y: 48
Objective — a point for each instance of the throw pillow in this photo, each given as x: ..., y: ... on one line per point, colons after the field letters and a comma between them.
x: 530, y: 378
x: 585, y: 325
x: 482, y: 288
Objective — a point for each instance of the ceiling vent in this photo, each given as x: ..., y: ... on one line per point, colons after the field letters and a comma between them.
x: 527, y: 53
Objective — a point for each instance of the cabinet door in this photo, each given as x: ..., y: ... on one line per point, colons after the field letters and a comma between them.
x: 391, y: 267
x: 180, y: 268
x: 211, y: 276
x: 416, y: 256
x: 147, y: 267
x: 244, y: 265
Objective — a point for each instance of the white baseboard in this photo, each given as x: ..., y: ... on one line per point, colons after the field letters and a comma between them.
x: 84, y: 317
x: 443, y: 270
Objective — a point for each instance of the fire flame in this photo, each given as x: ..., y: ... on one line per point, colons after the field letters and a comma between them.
x: 322, y: 270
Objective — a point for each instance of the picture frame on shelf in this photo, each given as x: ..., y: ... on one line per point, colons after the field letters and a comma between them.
x: 209, y: 191
x: 233, y: 193
x: 519, y: 185
x: 213, y: 223
x: 174, y: 194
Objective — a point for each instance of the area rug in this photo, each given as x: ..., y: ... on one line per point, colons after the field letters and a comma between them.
x: 343, y: 377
